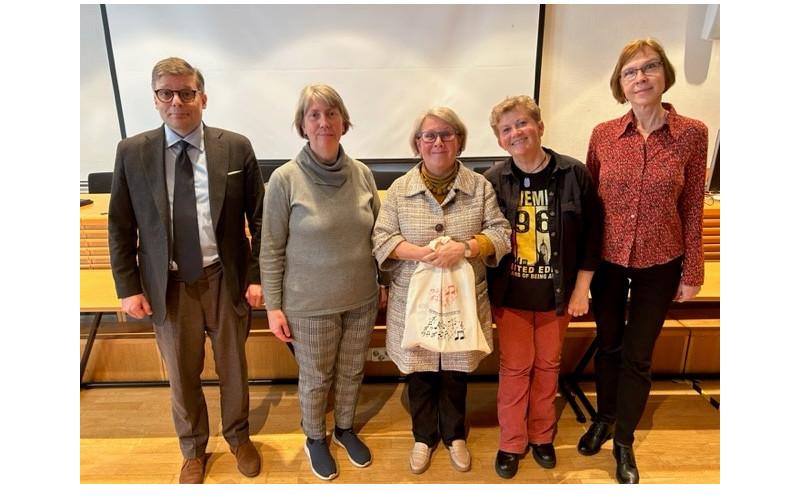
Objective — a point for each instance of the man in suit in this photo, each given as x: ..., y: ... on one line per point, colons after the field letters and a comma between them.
x: 179, y: 198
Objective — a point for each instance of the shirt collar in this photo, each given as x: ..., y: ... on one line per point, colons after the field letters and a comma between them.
x: 627, y: 121
x: 195, y: 137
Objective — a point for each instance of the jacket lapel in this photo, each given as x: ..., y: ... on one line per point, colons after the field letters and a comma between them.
x: 217, y: 157
x: 153, y: 162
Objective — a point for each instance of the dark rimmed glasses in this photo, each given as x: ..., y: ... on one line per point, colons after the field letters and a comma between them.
x: 429, y: 136
x: 166, y: 95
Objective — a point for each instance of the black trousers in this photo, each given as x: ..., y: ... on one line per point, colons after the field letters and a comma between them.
x: 438, y: 404
x: 625, y: 354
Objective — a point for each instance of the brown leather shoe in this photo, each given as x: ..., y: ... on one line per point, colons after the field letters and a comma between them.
x: 193, y: 470
x: 247, y: 459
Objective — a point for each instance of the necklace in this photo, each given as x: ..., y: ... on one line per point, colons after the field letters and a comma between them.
x: 539, y: 167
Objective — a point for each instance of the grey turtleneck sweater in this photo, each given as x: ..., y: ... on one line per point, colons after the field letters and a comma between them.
x: 316, y: 247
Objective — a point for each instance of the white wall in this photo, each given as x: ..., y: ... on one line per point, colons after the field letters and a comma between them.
x: 580, y: 50
x: 99, y: 125
x: 389, y: 63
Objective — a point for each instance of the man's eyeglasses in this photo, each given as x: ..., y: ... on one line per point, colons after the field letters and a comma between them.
x: 166, y: 95
x: 430, y: 136
x: 649, y: 69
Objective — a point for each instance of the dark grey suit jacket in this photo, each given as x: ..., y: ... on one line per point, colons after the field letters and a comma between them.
x: 139, y: 218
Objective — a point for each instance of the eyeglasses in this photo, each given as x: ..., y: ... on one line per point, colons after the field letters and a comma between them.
x: 649, y: 69
x: 430, y: 136
x: 166, y: 95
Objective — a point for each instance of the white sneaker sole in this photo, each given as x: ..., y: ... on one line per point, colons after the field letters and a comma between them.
x: 311, y: 465
x: 348, y: 454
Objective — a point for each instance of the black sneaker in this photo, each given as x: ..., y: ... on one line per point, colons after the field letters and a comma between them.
x: 357, y: 451
x: 322, y: 463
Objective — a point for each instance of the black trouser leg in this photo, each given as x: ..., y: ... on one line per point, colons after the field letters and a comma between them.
x: 423, y: 400
x: 652, y: 291
x: 609, y: 296
x: 452, y: 406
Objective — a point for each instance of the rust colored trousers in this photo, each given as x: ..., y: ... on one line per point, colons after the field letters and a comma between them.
x: 530, y: 359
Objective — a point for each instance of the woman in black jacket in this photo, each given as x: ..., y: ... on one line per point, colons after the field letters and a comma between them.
x: 557, y: 224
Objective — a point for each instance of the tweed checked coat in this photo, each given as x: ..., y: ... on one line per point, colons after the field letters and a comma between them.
x: 409, y: 212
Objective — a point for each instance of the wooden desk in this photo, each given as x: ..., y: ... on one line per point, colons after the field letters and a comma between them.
x: 710, y: 291
x: 98, y: 296
x: 95, y: 215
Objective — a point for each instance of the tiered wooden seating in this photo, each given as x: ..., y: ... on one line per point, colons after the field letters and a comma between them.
x: 94, y: 233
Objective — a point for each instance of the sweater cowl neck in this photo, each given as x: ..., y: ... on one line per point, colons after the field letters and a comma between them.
x: 327, y: 175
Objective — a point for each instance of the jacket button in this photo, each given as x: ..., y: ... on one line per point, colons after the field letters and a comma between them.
x: 558, y: 290
x: 555, y: 254
x: 439, y: 228
x: 555, y: 271
x: 552, y: 213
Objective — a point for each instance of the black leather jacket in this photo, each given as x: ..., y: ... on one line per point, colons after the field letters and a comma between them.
x: 578, y: 228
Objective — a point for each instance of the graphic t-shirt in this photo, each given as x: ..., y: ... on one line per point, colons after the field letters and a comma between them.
x: 531, y: 282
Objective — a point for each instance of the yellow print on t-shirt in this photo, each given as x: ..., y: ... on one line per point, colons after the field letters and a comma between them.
x: 532, y: 237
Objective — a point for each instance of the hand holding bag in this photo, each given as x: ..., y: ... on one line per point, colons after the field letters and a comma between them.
x: 442, y: 310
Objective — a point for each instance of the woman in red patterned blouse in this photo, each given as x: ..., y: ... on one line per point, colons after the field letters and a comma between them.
x: 649, y: 167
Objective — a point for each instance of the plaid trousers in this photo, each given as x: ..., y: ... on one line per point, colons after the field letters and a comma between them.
x: 331, y: 349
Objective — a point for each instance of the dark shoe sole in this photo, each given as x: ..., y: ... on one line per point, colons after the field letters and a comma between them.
x: 348, y: 454
x: 311, y: 464
x: 546, y: 465
x: 250, y: 475
x: 620, y: 481
x: 504, y: 474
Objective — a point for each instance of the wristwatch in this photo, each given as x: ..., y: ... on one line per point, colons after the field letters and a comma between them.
x: 467, y: 250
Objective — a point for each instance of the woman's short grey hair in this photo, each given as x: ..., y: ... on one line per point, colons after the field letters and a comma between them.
x: 523, y: 102
x: 445, y: 114
x: 323, y: 93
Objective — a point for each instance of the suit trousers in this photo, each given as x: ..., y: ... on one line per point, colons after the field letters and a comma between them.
x: 331, y: 350
x: 625, y: 352
x: 438, y: 404
x: 530, y: 360
x: 204, y: 307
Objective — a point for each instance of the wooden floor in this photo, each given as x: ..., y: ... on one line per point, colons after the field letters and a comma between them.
x: 127, y: 437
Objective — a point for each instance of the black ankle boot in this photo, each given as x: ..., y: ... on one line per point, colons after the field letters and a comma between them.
x: 506, y: 464
x: 627, y: 473
x: 591, y: 442
x: 544, y: 455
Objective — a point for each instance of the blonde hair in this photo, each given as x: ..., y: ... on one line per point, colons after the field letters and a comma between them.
x: 445, y: 114
x: 176, y: 66
x: 323, y: 93
x: 628, y: 51
x: 523, y: 102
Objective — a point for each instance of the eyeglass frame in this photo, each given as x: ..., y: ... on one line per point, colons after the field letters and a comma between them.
x: 648, y: 69
x: 178, y: 93
x: 452, y: 134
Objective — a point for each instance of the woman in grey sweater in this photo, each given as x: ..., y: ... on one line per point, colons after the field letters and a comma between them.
x: 318, y: 274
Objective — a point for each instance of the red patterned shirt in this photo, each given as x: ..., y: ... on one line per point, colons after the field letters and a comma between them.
x: 652, y: 191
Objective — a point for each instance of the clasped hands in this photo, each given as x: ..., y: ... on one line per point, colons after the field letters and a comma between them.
x: 445, y: 255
